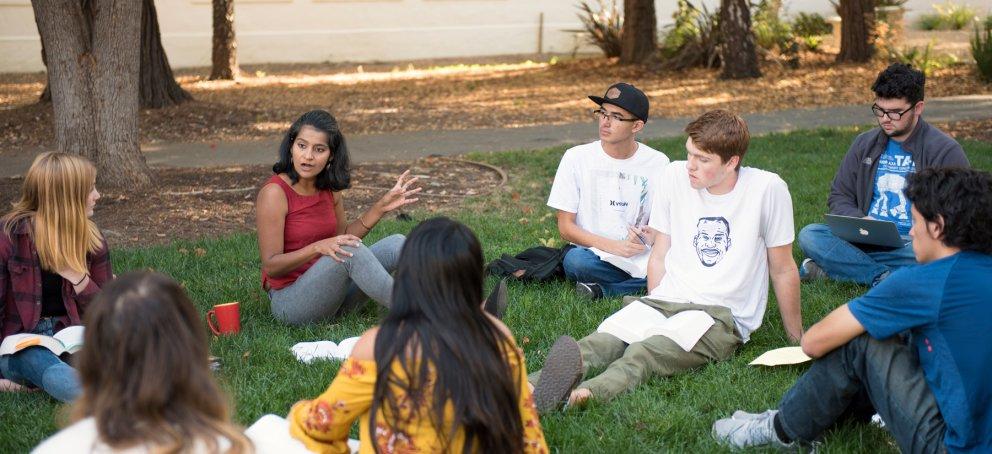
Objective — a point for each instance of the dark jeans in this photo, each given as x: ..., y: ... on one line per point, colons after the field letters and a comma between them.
x: 845, y: 261
x: 583, y: 265
x: 40, y: 368
x: 858, y: 379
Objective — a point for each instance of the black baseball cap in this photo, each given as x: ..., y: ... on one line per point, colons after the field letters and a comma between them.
x: 627, y: 97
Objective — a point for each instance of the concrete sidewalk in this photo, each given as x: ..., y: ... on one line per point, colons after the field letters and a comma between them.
x: 416, y: 144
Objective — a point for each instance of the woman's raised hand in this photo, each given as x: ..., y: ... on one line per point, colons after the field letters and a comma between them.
x: 399, y: 195
x: 333, y: 246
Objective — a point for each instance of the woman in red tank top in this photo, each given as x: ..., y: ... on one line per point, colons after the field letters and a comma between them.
x: 314, y: 264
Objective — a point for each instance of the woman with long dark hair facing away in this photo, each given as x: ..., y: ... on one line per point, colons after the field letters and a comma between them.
x: 147, y: 384
x: 314, y: 265
x: 439, y: 373
x: 53, y: 260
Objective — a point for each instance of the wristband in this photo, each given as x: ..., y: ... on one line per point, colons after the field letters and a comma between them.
x: 80, y: 280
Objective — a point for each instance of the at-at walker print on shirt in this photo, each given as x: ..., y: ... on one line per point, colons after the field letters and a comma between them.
x: 889, y: 202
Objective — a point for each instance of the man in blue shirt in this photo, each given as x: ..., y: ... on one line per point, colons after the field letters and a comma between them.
x: 916, y: 349
x: 870, y: 180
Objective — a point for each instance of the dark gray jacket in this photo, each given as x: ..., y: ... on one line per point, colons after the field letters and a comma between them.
x: 854, y: 184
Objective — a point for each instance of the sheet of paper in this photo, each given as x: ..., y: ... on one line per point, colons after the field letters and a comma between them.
x: 270, y: 435
x: 630, y: 323
x: 781, y: 357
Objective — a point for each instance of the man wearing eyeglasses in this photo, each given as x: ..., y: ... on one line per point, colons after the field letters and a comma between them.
x: 602, y: 192
x: 871, y: 178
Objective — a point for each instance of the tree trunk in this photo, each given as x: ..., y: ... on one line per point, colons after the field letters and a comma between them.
x: 857, y: 29
x: 115, y: 91
x: 225, y: 50
x: 93, y: 62
x: 65, y: 36
x: 738, y: 51
x: 158, y: 86
x: 639, y: 34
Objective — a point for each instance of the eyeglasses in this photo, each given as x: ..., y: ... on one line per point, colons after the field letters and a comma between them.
x: 601, y: 115
x: 894, y: 116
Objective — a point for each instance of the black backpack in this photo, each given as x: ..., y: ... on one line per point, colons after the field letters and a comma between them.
x: 538, y: 264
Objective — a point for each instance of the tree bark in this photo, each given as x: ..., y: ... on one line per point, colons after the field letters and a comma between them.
x: 739, y: 52
x: 65, y: 36
x: 158, y: 86
x: 857, y: 29
x: 639, y: 34
x: 115, y: 90
x: 225, y: 49
x: 93, y: 65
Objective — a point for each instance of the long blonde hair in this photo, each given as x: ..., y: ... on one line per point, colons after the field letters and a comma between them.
x: 53, y: 199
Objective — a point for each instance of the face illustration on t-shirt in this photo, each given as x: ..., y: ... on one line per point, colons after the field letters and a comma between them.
x: 712, y: 240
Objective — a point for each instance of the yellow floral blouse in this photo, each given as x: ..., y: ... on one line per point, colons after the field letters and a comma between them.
x: 323, y: 424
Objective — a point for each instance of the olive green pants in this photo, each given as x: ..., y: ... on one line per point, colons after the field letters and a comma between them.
x: 629, y: 365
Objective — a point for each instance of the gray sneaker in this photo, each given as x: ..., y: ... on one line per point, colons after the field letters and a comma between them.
x: 810, y: 271
x: 744, y: 430
x: 589, y: 290
x: 561, y: 373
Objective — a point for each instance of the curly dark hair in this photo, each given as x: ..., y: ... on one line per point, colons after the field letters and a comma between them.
x: 900, y: 80
x: 962, y: 197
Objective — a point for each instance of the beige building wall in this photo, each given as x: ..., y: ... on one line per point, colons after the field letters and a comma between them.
x: 293, y: 31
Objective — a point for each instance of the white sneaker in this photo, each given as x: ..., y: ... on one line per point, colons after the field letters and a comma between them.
x: 743, y: 430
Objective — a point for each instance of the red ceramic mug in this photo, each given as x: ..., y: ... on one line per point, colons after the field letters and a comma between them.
x: 228, y: 318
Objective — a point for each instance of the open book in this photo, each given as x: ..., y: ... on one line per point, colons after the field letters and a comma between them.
x: 638, y: 321
x: 308, y: 352
x: 68, y: 340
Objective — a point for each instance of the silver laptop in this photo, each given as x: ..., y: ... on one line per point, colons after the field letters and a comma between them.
x: 866, y: 231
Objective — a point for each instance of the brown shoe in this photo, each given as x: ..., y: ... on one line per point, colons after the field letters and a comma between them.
x: 561, y: 373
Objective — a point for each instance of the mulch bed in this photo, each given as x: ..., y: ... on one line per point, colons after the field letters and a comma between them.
x: 194, y: 203
x: 970, y: 129
x: 424, y: 96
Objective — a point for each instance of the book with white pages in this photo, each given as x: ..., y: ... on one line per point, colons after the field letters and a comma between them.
x: 638, y: 321
x: 307, y: 352
x: 635, y: 266
x: 67, y: 340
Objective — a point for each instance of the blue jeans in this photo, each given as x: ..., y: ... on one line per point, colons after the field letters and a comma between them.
x: 858, y: 379
x: 845, y: 261
x: 582, y: 265
x: 38, y: 367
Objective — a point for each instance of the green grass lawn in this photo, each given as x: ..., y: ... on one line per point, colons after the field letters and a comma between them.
x: 672, y: 414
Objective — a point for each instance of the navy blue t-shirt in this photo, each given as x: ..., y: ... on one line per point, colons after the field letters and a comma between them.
x: 947, y: 306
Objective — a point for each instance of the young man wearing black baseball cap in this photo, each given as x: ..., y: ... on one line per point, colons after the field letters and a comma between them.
x: 603, y: 193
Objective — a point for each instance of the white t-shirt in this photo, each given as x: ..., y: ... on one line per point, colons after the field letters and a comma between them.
x: 719, y: 245
x: 82, y: 437
x: 607, y: 195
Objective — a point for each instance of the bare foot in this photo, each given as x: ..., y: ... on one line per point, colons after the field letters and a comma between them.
x: 579, y: 396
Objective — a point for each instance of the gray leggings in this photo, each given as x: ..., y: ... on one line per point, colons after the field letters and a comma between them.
x: 331, y: 288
